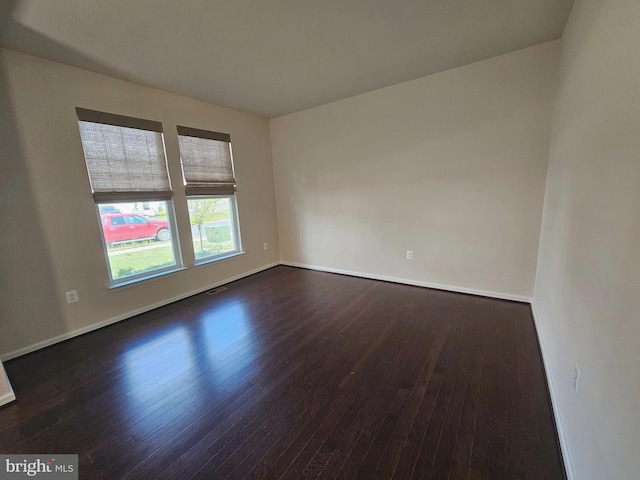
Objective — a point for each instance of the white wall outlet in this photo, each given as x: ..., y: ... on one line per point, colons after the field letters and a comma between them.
x: 266, y: 246
x: 576, y: 378
x: 72, y: 296
x: 409, y: 254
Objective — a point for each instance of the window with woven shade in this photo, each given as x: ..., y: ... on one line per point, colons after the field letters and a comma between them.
x: 210, y: 186
x: 128, y: 175
x: 207, y: 164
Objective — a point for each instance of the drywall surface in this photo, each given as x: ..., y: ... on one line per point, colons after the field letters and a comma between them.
x: 587, y: 292
x: 26, y: 275
x: 61, y: 248
x: 451, y: 166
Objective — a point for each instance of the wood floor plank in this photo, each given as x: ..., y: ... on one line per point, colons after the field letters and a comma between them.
x: 307, y: 385
x: 398, y: 441
x: 465, y: 440
x: 479, y: 461
x: 381, y: 364
x: 497, y: 465
x: 408, y: 376
x: 391, y: 393
x: 295, y: 374
x: 432, y: 435
x: 304, y: 398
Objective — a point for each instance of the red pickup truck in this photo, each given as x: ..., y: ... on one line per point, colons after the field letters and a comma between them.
x: 125, y: 227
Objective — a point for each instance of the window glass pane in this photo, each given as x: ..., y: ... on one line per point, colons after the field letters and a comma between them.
x: 213, y: 227
x: 138, y: 238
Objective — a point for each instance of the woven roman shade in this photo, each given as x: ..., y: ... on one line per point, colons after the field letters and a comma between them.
x: 206, y: 162
x: 125, y: 157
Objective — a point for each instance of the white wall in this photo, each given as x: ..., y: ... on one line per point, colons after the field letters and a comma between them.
x: 50, y: 231
x: 451, y: 166
x: 24, y: 262
x: 587, y: 292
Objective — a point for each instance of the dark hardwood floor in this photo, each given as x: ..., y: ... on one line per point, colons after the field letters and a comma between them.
x: 295, y: 374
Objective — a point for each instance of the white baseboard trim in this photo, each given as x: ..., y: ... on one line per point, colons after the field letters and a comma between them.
x: 104, y: 323
x: 554, y: 401
x: 124, y: 316
x: 437, y: 286
x: 9, y: 396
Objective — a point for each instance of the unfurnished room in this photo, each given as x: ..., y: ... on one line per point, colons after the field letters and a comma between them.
x: 320, y: 239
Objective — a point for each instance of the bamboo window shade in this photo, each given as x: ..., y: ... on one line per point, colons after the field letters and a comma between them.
x: 125, y: 157
x: 207, y: 164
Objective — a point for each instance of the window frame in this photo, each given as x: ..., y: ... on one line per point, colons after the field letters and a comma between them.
x: 204, y: 180
x: 235, y: 230
x: 104, y: 178
x: 139, y: 277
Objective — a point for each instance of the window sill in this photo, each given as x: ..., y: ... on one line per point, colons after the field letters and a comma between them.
x: 153, y: 276
x: 207, y: 261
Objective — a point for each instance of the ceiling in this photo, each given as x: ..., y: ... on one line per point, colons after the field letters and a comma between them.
x: 274, y: 57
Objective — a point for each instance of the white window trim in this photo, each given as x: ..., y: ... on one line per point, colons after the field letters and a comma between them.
x: 219, y: 258
x: 152, y: 276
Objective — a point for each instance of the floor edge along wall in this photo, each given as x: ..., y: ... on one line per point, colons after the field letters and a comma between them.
x: 416, y: 283
x: 564, y: 450
x: 104, y: 323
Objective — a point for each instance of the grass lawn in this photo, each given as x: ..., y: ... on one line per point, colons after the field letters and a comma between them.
x: 118, y: 247
x: 130, y: 259
x: 211, y: 248
x: 141, y: 261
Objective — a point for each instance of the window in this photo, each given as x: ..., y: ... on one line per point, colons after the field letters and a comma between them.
x: 210, y: 185
x: 213, y: 226
x: 128, y: 174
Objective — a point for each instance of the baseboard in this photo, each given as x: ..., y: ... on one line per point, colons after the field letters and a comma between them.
x: 564, y: 450
x: 437, y: 286
x: 133, y: 313
x: 104, y: 323
x: 9, y: 396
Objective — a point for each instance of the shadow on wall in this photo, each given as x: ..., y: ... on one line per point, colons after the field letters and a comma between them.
x: 14, y: 35
x: 29, y: 309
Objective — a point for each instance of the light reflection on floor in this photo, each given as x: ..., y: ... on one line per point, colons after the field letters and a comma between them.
x: 159, y: 371
x: 227, y: 337
x: 159, y: 360
x: 223, y: 328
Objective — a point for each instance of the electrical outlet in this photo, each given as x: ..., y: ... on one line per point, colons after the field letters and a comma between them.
x: 576, y: 378
x: 72, y: 296
x: 266, y: 246
x: 409, y: 254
